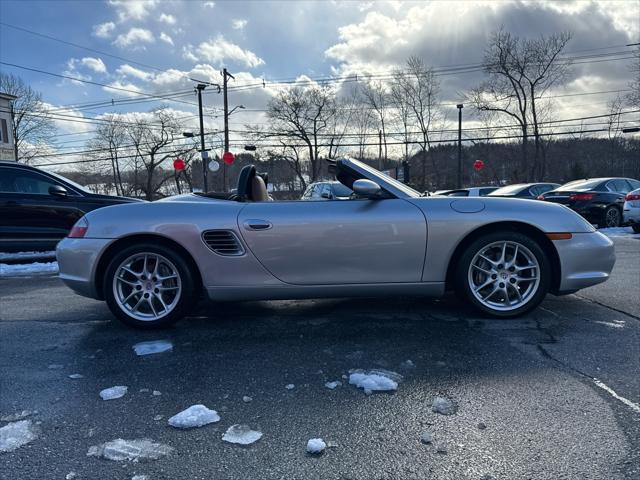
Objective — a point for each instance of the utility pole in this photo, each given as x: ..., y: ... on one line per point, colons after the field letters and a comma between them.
x: 459, y: 107
x: 225, y: 75
x: 379, y: 149
x: 200, y: 87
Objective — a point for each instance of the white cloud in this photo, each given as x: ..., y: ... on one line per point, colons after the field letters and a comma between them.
x: 209, y: 4
x: 104, y: 30
x: 133, y: 37
x: 133, y: 9
x: 72, y: 71
x: 239, y: 24
x: 167, y: 18
x: 95, y: 64
x: 187, y: 53
x: 127, y: 70
x: 166, y: 38
x: 219, y: 50
x: 123, y: 89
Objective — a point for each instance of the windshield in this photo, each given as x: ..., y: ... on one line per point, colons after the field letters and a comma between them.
x: 580, y: 185
x: 508, y: 190
x: 70, y: 182
x: 378, y: 175
x: 341, y: 190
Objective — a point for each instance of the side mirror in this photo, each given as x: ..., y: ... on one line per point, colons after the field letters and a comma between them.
x: 326, y: 195
x: 366, y: 188
x: 57, y: 191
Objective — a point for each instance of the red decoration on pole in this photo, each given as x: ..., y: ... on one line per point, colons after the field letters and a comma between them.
x: 228, y: 158
x: 179, y: 165
x: 478, y: 165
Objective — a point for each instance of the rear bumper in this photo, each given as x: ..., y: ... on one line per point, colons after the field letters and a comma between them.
x: 77, y: 261
x: 631, y: 215
x: 585, y: 260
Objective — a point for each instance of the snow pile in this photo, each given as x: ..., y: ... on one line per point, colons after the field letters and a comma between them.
x: 316, y: 446
x: 133, y: 450
x: 332, y: 385
x: 194, y: 416
x: 443, y: 405
x: 29, y: 269
x: 241, y: 434
x: 14, y: 417
x: 154, y: 346
x: 4, y: 256
x: 618, y: 232
x: 14, y: 435
x: 113, y: 392
x: 375, y: 380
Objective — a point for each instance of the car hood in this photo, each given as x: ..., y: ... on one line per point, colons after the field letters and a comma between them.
x: 115, y: 200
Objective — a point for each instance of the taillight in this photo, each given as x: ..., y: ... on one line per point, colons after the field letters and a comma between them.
x: 632, y: 196
x: 581, y: 197
x: 79, y: 229
x: 540, y: 197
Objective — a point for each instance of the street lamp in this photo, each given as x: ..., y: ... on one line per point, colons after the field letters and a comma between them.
x: 459, y: 107
x: 241, y: 107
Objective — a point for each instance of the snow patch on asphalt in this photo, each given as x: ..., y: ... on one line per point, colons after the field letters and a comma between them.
x: 29, y: 269
x: 194, y: 416
x: 333, y: 385
x: 112, y: 393
x: 132, y: 450
x: 241, y: 434
x: 75, y: 376
x: 316, y: 446
x: 14, y: 417
x: 375, y: 380
x: 26, y: 255
x: 443, y: 406
x: 154, y: 346
x: 17, y: 434
x: 618, y: 232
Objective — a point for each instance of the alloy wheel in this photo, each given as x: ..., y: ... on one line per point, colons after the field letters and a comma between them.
x: 147, y: 286
x: 504, y: 275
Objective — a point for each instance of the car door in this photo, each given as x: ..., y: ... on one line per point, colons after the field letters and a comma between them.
x: 327, y: 243
x: 29, y: 214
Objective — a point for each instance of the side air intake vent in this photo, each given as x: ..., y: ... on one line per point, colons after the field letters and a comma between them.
x: 223, y: 242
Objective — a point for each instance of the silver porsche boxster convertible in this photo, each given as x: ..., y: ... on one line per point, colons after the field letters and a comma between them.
x: 152, y: 261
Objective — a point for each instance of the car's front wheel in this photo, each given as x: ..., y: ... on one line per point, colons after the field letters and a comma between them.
x: 503, y: 274
x: 148, y: 286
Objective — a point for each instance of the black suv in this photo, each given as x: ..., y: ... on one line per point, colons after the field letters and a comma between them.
x: 37, y: 208
x: 599, y: 200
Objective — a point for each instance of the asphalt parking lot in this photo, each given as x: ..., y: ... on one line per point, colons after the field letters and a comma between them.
x: 555, y: 394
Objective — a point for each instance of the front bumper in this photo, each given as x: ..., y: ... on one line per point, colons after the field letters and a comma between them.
x: 77, y: 261
x: 585, y: 260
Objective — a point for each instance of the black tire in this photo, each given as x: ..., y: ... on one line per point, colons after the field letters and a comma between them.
x: 187, y: 292
x: 636, y: 227
x: 611, y: 217
x: 462, y: 282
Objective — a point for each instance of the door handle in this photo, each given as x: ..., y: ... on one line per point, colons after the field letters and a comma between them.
x: 255, y: 224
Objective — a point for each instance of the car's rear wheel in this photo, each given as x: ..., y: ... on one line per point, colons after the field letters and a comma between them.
x: 611, y: 217
x: 148, y: 286
x: 503, y: 274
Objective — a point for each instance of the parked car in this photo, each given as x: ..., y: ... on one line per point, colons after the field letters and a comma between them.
x: 152, y: 261
x: 466, y: 192
x: 631, y: 209
x: 326, y: 191
x: 524, y: 190
x: 599, y: 200
x: 38, y: 208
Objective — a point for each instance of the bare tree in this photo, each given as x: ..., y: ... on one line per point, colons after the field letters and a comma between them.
x: 110, y: 139
x: 520, y: 72
x: 153, y: 141
x: 402, y: 107
x: 633, y: 97
x: 422, y: 89
x: 375, y: 95
x: 303, y: 115
x: 32, y: 127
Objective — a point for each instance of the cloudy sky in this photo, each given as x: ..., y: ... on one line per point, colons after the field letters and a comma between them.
x: 155, y: 46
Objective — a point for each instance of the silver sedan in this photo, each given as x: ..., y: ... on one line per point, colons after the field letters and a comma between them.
x: 151, y: 262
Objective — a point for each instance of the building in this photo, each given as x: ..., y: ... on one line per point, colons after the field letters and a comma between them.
x: 7, y: 147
